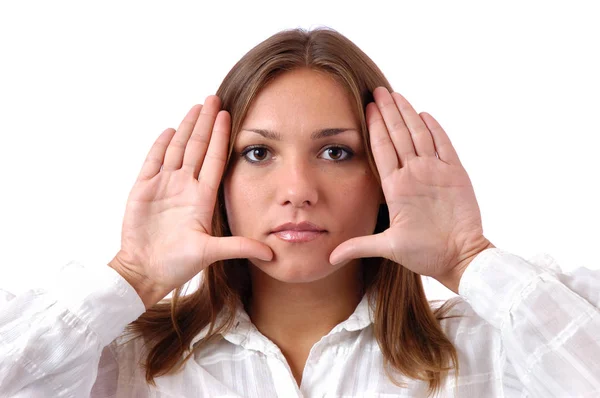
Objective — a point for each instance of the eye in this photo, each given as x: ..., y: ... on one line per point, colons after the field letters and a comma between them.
x: 255, y: 154
x: 337, y: 153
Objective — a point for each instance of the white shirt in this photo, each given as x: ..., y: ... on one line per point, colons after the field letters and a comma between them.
x: 529, y: 331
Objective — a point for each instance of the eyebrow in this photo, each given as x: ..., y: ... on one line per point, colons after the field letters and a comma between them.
x: 273, y: 135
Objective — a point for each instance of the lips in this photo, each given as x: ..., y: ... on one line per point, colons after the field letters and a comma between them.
x: 302, y: 226
x: 298, y: 232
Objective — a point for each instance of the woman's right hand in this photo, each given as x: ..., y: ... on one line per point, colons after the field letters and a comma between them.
x: 166, y: 235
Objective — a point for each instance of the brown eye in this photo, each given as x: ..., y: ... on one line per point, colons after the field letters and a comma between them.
x: 259, y: 153
x: 256, y: 154
x: 337, y: 154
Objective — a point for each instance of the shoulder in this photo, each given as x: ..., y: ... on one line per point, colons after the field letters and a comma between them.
x: 129, y: 349
x: 121, y: 368
x: 457, y: 317
x: 478, y: 344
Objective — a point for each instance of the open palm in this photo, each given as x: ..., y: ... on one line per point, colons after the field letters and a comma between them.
x: 435, y: 220
x: 166, y: 235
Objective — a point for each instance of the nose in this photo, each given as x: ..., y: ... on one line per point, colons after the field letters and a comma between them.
x: 298, y: 184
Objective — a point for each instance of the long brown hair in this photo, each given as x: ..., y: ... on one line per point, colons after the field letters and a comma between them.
x: 406, y: 328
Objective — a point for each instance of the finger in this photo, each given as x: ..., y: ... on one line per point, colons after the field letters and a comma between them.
x: 422, y: 140
x: 360, y: 247
x: 443, y: 146
x: 386, y: 158
x: 179, y: 141
x: 216, y: 156
x: 225, y: 248
x: 200, y: 138
x: 395, y: 125
x: 156, y: 155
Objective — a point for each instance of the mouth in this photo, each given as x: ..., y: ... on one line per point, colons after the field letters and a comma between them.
x: 298, y: 232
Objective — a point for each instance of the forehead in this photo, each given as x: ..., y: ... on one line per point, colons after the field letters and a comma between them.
x: 302, y: 98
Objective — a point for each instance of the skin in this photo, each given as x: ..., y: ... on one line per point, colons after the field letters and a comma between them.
x: 435, y: 221
x: 296, y: 178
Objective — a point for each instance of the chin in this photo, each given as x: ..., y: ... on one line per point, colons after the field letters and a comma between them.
x: 296, y: 270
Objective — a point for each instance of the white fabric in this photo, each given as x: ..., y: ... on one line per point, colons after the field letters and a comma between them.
x: 528, y: 331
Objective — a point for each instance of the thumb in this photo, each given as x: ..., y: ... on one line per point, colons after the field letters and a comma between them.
x: 225, y: 248
x: 362, y: 246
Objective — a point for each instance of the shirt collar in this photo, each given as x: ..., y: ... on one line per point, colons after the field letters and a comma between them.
x: 244, y: 333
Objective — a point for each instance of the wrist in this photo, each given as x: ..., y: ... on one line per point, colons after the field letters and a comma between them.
x: 452, y: 279
x: 149, y: 292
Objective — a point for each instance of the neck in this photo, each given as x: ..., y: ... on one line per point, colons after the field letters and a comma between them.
x: 299, y: 314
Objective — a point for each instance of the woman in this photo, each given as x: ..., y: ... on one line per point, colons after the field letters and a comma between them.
x: 313, y: 198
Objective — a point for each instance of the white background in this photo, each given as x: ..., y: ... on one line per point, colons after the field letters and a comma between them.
x: 86, y: 89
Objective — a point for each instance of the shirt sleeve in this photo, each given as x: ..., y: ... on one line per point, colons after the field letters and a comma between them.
x: 549, y: 321
x: 52, y: 339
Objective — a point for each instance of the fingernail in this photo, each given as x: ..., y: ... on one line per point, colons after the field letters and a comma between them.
x: 267, y: 258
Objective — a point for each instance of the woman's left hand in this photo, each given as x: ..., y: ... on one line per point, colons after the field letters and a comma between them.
x: 435, y: 222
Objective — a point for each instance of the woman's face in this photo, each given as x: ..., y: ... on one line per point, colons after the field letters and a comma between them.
x: 299, y: 158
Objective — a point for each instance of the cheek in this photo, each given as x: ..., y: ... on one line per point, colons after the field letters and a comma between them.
x: 357, y: 185
x: 243, y: 197
x: 233, y: 203
x: 361, y: 198
x: 229, y: 206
